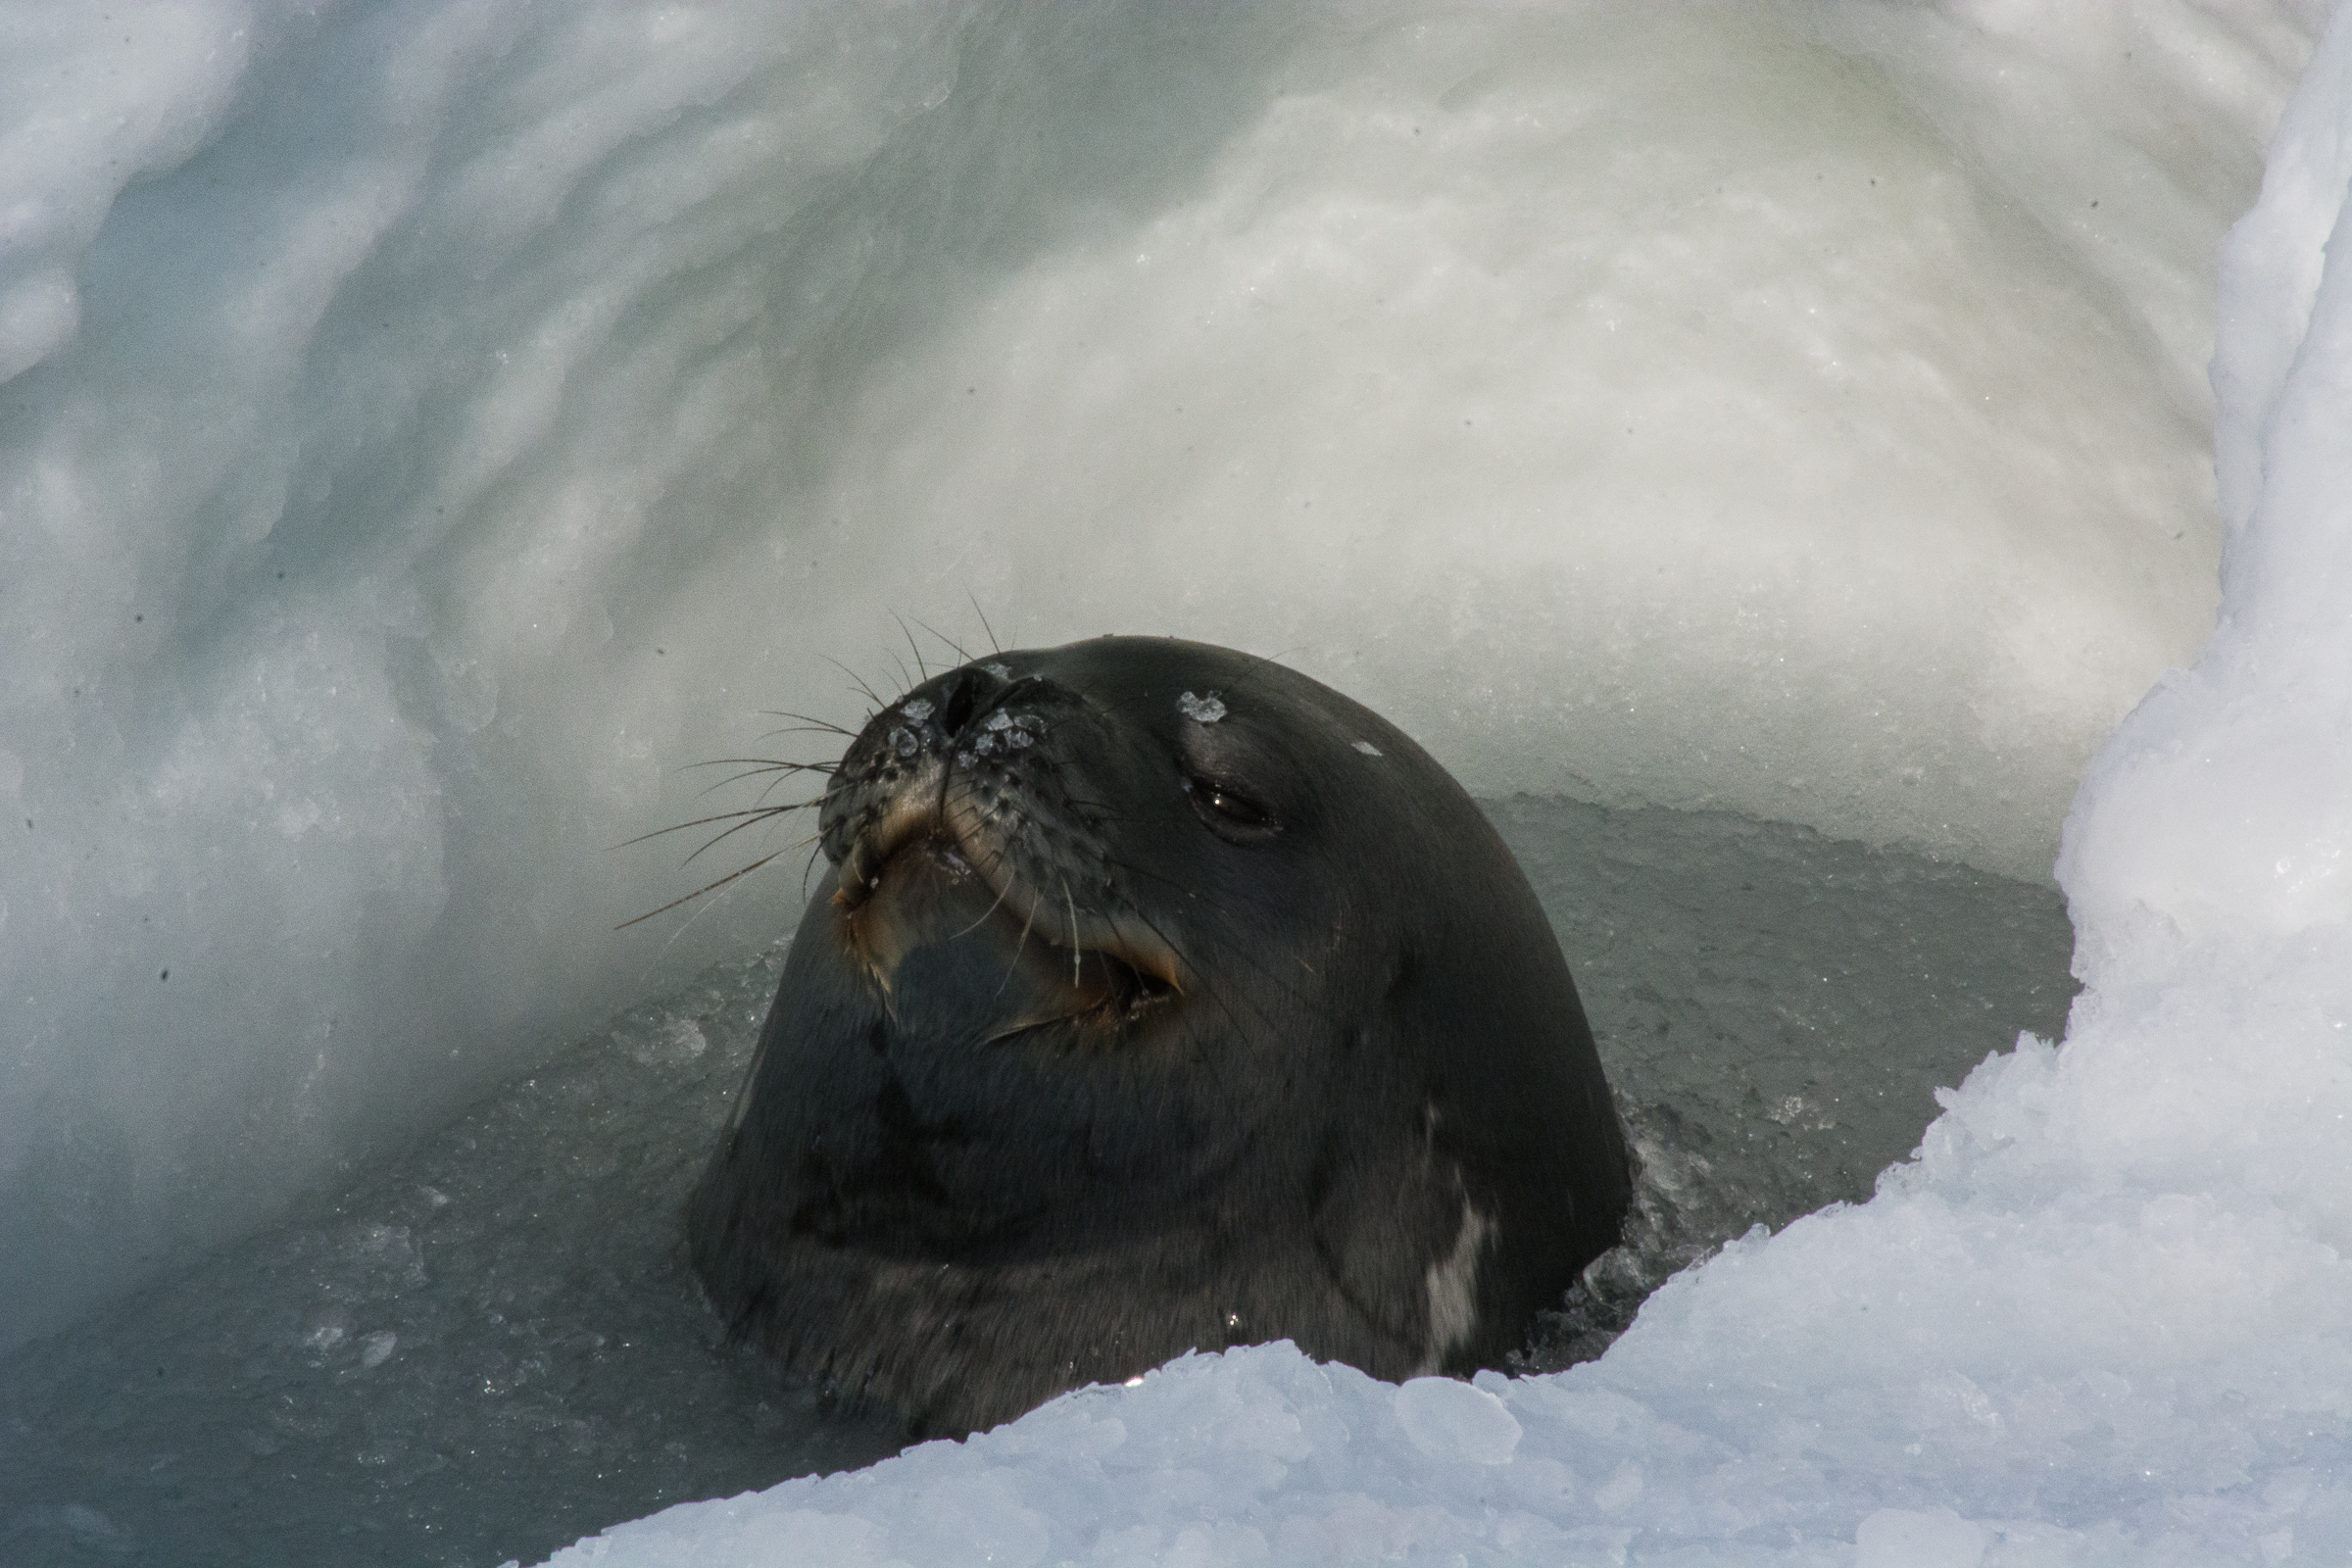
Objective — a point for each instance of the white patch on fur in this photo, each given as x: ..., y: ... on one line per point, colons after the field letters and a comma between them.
x: 1453, y: 1290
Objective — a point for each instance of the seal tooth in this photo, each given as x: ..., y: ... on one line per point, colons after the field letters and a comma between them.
x: 855, y: 880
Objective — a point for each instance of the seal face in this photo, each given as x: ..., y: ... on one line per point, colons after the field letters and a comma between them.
x: 1162, y: 998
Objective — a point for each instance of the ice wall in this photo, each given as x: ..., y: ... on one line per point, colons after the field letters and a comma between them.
x: 2105, y: 1315
x: 426, y: 429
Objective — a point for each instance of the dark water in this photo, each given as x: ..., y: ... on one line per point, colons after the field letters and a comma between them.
x: 489, y: 1347
x: 1775, y: 1011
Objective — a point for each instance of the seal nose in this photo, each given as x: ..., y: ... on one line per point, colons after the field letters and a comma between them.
x: 893, y: 776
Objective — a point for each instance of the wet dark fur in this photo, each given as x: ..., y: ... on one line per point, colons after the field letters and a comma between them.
x: 995, y: 1163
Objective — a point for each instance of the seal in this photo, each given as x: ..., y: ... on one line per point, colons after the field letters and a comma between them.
x: 1161, y: 999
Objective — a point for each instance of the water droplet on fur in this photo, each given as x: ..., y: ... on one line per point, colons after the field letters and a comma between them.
x: 1367, y: 748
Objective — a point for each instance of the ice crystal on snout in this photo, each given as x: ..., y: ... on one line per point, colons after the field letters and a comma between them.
x: 917, y: 710
x: 1367, y: 748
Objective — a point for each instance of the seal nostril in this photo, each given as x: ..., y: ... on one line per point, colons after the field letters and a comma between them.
x: 961, y: 696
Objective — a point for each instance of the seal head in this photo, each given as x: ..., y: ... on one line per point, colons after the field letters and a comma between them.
x: 1160, y: 998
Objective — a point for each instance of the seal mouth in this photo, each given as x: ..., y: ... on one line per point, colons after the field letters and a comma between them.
x: 1109, y: 955
x: 912, y: 813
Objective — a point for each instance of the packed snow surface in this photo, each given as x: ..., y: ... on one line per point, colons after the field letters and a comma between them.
x: 424, y: 428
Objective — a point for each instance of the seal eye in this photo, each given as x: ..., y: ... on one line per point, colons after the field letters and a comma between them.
x: 1229, y: 813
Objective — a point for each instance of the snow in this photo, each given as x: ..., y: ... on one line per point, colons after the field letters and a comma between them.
x: 425, y: 430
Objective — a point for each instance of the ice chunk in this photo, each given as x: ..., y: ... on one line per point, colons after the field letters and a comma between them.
x: 1200, y: 709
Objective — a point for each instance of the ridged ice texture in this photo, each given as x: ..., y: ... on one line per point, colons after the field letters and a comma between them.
x: 431, y: 427
x: 2104, y: 1316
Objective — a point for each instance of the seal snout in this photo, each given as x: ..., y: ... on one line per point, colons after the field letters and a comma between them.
x: 892, y: 783
x: 989, y: 769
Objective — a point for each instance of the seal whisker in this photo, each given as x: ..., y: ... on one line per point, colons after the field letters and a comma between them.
x: 805, y: 724
x: 705, y: 822
x: 775, y: 784
x: 1228, y: 954
x: 924, y: 672
x: 993, y: 645
x: 1185, y: 888
x: 752, y: 819
x: 787, y: 768
x: 989, y: 914
x: 856, y: 683
x: 1028, y: 921
x: 1021, y: 946
x: 763, y: 761
x: 1249, y: 670
x: 709, y: 887
x: 1220, y: 998
x: 945, y: 638
x: 1110, y: 812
